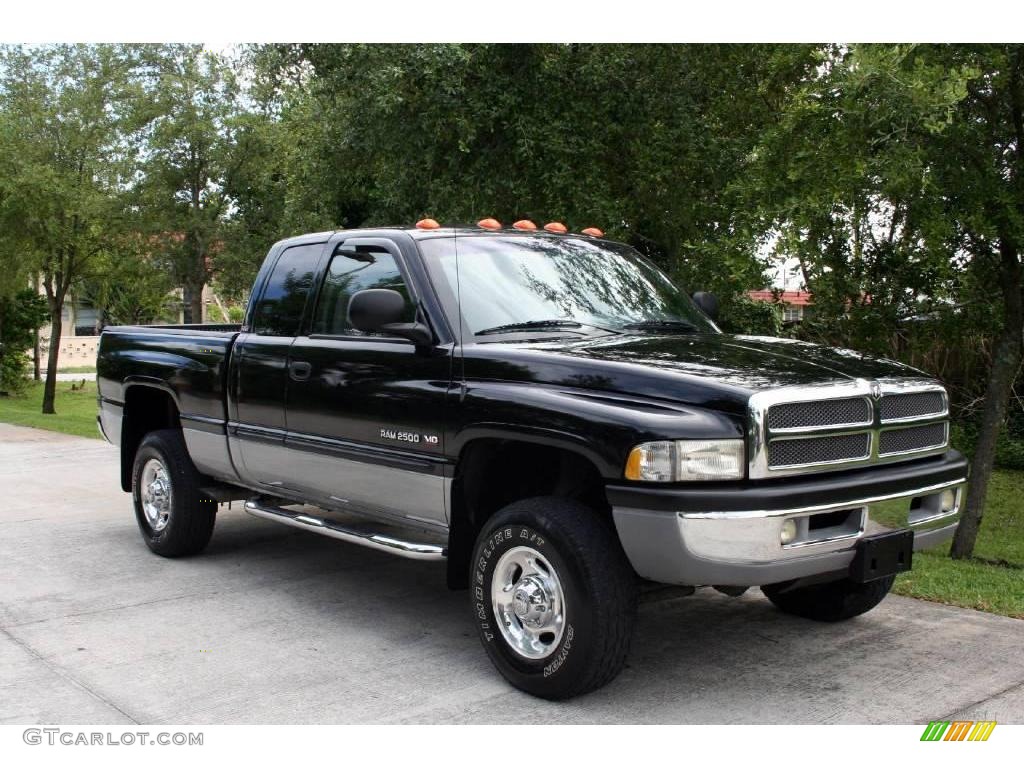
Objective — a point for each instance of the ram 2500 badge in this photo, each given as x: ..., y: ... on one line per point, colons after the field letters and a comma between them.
x: 547, y: 414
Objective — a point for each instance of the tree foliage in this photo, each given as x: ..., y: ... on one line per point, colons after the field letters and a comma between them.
x: 643, y: 141
x: 62, y: 110
x: 187, y: 115
x: 895, y: 175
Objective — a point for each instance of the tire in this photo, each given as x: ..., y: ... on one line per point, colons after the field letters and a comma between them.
x: 566, y: 617
x: 179, y: 519
x: 832, y: 601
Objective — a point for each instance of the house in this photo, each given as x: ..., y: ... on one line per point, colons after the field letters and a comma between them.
x: 794, y: 303
x: 81, y: 327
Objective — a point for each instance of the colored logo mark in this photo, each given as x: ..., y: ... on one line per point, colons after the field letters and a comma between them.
x: 958, y: 730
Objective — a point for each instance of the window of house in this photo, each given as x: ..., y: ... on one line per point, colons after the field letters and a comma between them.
x: 792, y: 314
x: 87, y: 319
x: 348, y: 273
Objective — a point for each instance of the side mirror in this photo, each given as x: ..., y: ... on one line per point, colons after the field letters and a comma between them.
x: 706, y: 303
x: 380, y: 310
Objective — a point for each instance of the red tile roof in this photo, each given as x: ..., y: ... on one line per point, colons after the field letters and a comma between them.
x: 794, y: 298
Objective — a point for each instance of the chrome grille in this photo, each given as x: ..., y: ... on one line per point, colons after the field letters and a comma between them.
x: 893, y: 441
x: 818, y: 450
x: 819, y: 413
x: 794, y: 430
x: 912, y: 405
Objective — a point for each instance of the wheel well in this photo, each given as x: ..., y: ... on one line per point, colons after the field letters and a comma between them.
x: 492, y: 473
x: 146, y: 409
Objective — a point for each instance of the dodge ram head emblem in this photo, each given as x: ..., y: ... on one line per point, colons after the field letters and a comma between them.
x: 876, y: 390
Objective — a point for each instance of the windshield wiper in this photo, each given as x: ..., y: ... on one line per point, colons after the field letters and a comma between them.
x: 530, y: 325
x: 681, y: 326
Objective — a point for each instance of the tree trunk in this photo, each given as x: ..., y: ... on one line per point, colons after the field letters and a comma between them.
x: 192, y: 301
x: 197, y: 303
x: 35, y: 338
x: 35, y: 355
x: 50, y: 387
x: 1005, y: 363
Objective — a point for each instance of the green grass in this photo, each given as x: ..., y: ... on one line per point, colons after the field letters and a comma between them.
x: 993, y: 580
x: 76, y: 411
x: 78, y: 369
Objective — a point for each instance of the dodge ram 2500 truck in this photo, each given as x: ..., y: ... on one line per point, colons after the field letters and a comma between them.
x: 548, y: 414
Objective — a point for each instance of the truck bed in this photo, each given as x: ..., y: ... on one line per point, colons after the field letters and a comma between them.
x: 189, y: 361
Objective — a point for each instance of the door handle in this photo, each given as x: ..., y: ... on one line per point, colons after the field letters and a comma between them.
x: 299, y: 370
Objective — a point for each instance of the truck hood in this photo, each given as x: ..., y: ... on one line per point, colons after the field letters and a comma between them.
x: 714, y: 370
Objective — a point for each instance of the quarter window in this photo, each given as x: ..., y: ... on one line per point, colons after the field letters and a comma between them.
x: 279, y: 312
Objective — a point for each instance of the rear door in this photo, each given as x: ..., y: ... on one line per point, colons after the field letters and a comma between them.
x: 366, y: 422
x: 259, y: 367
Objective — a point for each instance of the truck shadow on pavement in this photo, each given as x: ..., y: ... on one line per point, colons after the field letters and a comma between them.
x: 705, y: 658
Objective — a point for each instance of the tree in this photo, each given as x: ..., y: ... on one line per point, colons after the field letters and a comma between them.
x: 130, y: 283
x: 63, y: 108
x: 189, y: 112
x: 642, y: 140
x: 895, y: 175
x: 980, y: 164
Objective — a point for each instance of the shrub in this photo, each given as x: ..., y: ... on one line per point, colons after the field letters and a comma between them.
x: 20, y: 316
x: 741, y: 314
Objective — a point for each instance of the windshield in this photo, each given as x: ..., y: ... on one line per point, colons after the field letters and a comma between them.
x: 546, y: 285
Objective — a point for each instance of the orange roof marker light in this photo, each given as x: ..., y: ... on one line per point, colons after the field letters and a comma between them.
x: 557, y: 227
x: 489, y: 224
x: 593, y: 232
x: 525, y: 224
x: 427, y: 224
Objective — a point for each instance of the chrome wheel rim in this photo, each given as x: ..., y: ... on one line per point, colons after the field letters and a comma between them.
x: 155, y: 486
x: 529, y: 606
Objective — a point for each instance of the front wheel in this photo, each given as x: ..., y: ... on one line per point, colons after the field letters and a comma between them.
x: 832, y: 601
x: 553, y: 596
x: 174, y: 516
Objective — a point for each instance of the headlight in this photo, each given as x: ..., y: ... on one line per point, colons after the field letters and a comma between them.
x: 675, y: 461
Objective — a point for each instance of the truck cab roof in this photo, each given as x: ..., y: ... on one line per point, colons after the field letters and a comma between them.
x: 428, y: 234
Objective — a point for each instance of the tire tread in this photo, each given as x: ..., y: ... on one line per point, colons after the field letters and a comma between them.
x: 594, y: 545
x: 194, y: 515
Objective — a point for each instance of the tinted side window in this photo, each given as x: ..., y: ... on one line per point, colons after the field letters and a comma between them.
x: 347, y: 273
x: 280, y: 309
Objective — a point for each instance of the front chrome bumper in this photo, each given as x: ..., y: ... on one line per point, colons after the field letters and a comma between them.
x: 744, y: 547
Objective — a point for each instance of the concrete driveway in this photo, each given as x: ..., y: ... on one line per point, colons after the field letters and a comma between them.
x: 274, y: 625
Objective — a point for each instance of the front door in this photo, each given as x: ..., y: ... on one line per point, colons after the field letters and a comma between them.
x: 365, y: 423
x: 260, y: 373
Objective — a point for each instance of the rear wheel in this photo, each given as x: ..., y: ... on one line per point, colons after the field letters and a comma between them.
x: 174, y: 516
x: 553, y: 597
x: 831, y: 601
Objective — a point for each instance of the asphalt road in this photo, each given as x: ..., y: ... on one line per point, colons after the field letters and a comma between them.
x: 274, y: 625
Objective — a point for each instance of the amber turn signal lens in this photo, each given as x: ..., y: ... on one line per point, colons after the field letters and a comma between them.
x: 556, y: 226
x: 489, y: 224
x: 593, y: 232
x: 427, y: 224
x: 524, y: 224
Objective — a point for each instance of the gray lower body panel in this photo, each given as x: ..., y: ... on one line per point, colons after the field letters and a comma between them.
x: 346, y: 484
x: 210, y: 454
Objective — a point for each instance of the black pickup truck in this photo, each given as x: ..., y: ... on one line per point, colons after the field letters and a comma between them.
x: 547, y: 414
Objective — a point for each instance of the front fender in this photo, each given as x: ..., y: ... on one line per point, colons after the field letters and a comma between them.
x: 601, y: 427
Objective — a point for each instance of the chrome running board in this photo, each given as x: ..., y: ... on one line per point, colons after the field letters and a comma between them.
x: 400, y: 547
